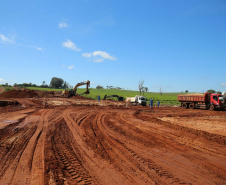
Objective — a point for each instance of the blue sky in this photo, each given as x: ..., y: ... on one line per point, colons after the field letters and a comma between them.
x: 174, y: 45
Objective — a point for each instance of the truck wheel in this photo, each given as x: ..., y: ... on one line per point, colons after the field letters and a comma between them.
x: 184, y: 105
x: 191, y: 106
x: 211, y: 107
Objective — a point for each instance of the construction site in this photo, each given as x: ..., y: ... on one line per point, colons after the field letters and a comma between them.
x: 46, y: 138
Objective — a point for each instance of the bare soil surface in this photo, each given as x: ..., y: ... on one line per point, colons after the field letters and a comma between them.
x: 82, y: 141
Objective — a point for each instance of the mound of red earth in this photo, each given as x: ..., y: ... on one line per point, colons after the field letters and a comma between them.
x: 44, y: 94
x: 19, y: 94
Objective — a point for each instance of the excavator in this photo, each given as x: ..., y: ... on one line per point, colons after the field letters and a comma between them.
x: 72, y: 92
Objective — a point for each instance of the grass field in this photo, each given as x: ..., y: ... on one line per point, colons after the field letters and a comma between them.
x: 165, y: 98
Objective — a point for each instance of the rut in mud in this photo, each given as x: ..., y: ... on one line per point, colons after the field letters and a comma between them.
x: 112, y: 145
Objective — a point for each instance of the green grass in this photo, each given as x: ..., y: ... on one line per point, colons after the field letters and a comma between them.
x: 165, y: 99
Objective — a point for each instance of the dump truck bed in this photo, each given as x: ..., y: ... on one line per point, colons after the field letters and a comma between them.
x: 191, y: 98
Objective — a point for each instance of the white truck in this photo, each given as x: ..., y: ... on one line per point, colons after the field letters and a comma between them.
x: 137, y: 100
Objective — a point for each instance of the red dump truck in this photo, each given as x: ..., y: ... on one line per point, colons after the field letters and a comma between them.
x: 207, y: 100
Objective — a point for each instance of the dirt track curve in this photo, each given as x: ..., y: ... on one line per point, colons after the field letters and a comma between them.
x: 90, y: 144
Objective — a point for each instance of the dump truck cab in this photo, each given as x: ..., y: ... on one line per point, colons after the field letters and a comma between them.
x: 216, y: 100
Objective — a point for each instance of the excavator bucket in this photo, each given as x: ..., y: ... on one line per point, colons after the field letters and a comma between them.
x: 87, y: 92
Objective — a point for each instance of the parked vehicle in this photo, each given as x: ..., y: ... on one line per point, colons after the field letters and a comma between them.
x: 207, y: 100
x: 137, y: 100
x: 119, y: 98
x: 224, y: 97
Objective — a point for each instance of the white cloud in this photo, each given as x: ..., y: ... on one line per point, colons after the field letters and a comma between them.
x: 5, y: 39
x: 103, y: 55
x: 11, y: 41
x: 223, y: 84
x: 70, y: 45
x: 99, y: 56
x: 2, y: 80
x: 62, y: 25
x: 39, y: 49
x: 71, y: 67
x: 88, y: 55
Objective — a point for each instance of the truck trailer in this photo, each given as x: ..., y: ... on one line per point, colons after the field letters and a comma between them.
x: 208, y: 100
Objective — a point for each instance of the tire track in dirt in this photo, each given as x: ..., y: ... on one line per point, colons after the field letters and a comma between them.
x: 197, y: 143
x: 219, y: 171
x: 38, y: 167
x: 90, y: 159
x: 61, y: 150
x: 129, y: 162
x: 72, y: 164
x: 29, y: 160
x: 209, y: 136
x: 12, y: 144
x: 178, y: 136
x: 24, y: 169
x: 108, y: 145
x: 139, y: 164
x: 102, y: 143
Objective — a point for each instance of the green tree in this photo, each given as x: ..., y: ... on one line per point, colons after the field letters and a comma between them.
x: 65, y: 85
x: 186, y: 91
x: 56, y: 83
x: 219, y: 92
x: 99, y: 87
x: 211, y: 91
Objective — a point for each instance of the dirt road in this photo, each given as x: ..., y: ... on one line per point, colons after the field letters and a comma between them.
x: 43, y: 141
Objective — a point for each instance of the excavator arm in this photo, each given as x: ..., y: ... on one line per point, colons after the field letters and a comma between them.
x: 87, y: 83
x: 72, y: 92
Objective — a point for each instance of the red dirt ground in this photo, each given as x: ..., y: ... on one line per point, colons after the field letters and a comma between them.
x: 2, y: 89
x: 80, y: 141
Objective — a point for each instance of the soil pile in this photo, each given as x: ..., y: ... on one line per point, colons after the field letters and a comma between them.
x: 45, y: 94
x: 19, y: 94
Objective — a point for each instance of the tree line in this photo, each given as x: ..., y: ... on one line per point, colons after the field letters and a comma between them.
x: 56, y: 83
